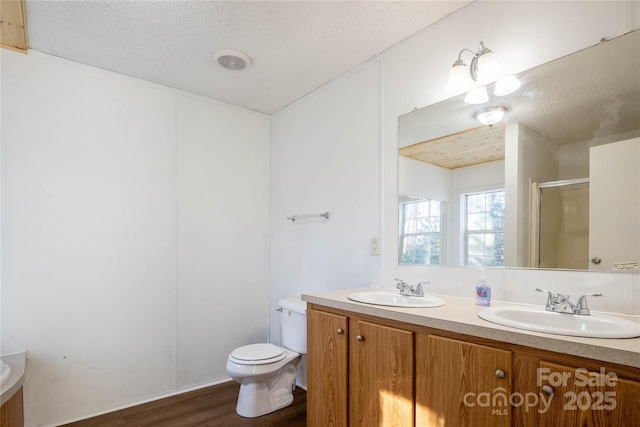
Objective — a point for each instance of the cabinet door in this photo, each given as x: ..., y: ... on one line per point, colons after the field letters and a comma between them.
x: 574, y: 397
x: 381, y: 362
x: 461, y: 384
x: 327, y: 358
x: 12, y: 412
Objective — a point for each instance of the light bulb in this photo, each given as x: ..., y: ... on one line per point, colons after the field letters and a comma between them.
x: 506, y: 85
x: 491, y: 116
x: 458, y: 78
x: 477, y: 95
x: 488, y: 68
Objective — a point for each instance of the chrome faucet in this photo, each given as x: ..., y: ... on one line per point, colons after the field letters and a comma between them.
x: 408, y: 290
x: 560, y: 303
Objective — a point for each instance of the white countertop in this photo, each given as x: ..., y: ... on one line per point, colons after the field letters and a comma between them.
x: 18, y: 363
x: 460, y: 315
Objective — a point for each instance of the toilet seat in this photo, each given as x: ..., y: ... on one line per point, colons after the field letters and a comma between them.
x: 267, y: 373
x: 257, y: 354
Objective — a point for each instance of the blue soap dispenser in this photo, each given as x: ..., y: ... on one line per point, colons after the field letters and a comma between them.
x: 483, y: 291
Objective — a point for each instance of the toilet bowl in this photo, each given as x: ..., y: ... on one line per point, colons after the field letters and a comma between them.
x: 267, y: 382
x: 267, y: 373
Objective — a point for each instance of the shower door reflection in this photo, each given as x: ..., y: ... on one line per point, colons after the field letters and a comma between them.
x: 563, y: 235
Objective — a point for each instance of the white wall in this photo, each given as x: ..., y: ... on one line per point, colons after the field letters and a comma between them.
x: 223, y: 242
x: 423, y: 180
x: 573, y: 158
x: 530, y: 158
x: 325, y: 157
x: 412, y: 75
x: 130, y: 215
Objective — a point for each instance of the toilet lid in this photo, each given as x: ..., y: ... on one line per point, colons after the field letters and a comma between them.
x: 257, y: 354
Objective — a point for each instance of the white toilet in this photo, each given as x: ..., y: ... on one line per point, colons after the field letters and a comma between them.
x: 267, y: 373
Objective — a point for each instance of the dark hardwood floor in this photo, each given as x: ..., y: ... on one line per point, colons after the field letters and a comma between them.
x: 213, y: 406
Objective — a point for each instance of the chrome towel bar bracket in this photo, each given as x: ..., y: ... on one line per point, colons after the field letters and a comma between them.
x: 293, y: 218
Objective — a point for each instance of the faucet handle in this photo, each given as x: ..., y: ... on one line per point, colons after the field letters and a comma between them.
x: 419, y: 292
x: 554, y: 296
x: 597, y: 294
x: 404, y: 288
x: 550, y: 296
x: 554, y: 299
x: 581, y: 306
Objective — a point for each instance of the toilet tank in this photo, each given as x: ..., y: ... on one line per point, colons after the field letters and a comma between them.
x: 293, y: 324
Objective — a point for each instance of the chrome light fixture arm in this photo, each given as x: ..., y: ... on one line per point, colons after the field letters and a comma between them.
x: 473, y: 66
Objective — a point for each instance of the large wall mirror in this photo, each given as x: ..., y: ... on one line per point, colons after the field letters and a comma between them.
x: 554, y: 184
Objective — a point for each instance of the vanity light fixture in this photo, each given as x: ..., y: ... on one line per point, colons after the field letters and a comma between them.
x: 490, y: 116
x: 506, y: 85
x: 477, y: 95
x: 483, y: 69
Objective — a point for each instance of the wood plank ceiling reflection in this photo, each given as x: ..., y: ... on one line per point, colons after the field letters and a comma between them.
x: 482, y: 144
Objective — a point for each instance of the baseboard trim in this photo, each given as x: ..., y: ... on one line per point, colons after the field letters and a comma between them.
x: 141, y: 402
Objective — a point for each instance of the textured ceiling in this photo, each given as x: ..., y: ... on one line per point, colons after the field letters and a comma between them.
x: 589, y: 94
x: 296, y: 46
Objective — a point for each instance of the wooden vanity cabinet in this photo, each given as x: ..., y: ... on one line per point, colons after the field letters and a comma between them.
x: 463, y: 383
x: 327, y: 364
x: 359, y: 373
x: 368, y: 371
x: 380, y: 375
x: 12, y: 413
x: 578, y: 397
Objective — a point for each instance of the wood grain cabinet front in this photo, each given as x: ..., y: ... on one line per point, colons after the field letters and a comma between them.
x: 466, y: 384
x: 327, y: 375
x: 358, y: 373
x: 12, y: 412
x: 381, y: 375
x: 577, y: 397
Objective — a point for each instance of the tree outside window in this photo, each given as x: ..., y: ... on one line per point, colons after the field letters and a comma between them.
x: 421, y: 233
x: 484, y: 230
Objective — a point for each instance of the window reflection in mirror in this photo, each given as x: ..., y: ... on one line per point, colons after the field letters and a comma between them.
x: 484, y: 229
x: 421, y: 232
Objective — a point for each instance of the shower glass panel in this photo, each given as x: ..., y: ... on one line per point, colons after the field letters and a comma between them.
x: 563, y: 228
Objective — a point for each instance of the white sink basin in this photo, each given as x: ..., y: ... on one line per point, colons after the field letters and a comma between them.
x: 540, y: 320
x: 394, y: 299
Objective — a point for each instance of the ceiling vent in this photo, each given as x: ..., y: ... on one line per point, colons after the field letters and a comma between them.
x: 232, y: 59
